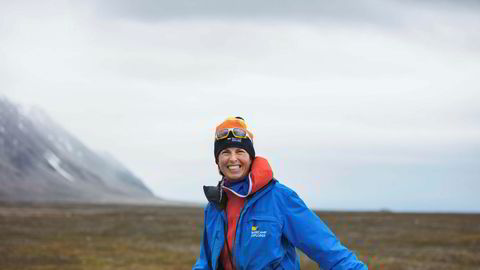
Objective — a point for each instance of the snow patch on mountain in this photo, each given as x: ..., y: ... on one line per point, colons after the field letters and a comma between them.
x: 55, y: 162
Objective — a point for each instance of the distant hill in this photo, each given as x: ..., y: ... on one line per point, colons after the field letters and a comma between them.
x: 41, y: 161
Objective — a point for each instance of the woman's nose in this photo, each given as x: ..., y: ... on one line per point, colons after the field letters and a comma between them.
x: 233, y: 156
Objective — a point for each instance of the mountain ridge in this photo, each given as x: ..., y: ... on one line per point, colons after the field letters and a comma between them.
x: 41, y: 161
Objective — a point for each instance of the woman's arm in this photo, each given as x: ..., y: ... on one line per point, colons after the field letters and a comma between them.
x: 310, y: 234
x: 204, y: 261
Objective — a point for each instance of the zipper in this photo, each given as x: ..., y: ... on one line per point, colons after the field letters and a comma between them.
x: 225, y: 227
x: 225, y: 236
x: 237, y: 231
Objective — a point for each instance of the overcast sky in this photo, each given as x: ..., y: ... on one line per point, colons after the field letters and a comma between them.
x: 358, y: 105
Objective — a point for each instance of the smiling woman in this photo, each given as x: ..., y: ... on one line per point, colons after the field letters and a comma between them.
x: 254, y: 222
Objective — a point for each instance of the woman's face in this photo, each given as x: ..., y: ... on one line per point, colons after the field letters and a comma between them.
x: 234, y: 163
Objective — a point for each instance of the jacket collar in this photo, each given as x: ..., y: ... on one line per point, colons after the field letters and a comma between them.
x: 260, y: 175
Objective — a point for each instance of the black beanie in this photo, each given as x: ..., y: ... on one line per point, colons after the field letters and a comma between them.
x: 232, y: 141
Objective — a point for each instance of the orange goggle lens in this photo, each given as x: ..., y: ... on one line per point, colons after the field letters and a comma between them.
x: 237, y: 133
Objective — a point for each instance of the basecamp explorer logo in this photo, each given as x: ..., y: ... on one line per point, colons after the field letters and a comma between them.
x: 256, y: 232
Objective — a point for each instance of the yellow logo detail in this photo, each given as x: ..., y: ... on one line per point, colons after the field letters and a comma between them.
x: 254, y: 228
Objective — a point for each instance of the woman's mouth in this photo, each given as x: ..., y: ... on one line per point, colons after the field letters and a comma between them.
x: 233, y: 167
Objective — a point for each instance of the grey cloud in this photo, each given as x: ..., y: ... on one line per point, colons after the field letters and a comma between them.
x: 303, y: 10
x: 436, y: 22
x: 391, y: 12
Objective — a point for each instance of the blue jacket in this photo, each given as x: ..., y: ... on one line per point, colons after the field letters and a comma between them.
x: 273, y: 222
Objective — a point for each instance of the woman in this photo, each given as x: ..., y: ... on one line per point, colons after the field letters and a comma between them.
x: 254, y: 222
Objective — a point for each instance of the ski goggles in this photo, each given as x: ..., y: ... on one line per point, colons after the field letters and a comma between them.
x: 236, y: 132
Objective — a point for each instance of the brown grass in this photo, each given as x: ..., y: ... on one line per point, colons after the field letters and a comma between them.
x: 74, y: 236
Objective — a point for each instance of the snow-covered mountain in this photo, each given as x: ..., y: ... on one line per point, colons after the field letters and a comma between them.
x: 40, y: 161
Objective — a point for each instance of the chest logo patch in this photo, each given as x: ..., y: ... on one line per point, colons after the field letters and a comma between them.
x: 257, y: 233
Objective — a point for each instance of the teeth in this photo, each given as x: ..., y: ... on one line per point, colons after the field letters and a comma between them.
x: 234, y: 167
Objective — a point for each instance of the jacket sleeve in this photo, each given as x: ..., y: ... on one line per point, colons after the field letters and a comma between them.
x: 310, y: 234
x: 203, y: 262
